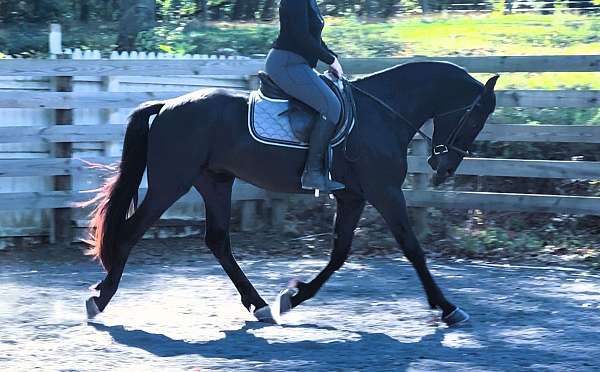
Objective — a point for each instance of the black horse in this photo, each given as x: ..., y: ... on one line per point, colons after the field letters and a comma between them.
x: 201, y: 139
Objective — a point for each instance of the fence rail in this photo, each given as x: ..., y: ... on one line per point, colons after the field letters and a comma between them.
x: 115, y: 100
x: 491, y: 132
x: 211, y: 67
x: 36, y: 93
x: 416, y: 164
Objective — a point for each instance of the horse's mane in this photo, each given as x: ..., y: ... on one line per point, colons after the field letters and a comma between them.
x: 418, y: 68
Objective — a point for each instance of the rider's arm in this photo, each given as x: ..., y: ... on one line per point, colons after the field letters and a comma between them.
x: 297, y: 15
x: 326, y: 47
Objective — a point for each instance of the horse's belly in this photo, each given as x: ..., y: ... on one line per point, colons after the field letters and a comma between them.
x: 273, y: 168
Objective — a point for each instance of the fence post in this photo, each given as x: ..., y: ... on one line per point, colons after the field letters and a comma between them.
x: 248, y: 217
x: 61, y: 229
x: 107, y: 116
x: 55, y: 40
x: 420, y: 182
x: 279, y: 208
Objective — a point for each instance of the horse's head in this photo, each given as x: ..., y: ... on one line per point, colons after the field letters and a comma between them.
x: 455, y: 131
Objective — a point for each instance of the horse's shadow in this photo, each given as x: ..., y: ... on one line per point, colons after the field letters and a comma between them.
x: 244, y: 344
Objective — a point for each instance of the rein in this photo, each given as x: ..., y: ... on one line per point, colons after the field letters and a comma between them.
x: 438, y: 149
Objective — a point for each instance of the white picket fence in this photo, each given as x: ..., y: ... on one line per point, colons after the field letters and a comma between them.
x: 96, y: 54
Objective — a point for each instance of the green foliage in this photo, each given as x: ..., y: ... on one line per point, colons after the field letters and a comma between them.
x: 497, y: 239
x: 355, y: 38
x: 210, y: 39
x: 33, y: 11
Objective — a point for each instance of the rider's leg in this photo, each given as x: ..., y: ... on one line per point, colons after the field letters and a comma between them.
x: 315, y: 170
x: 293, y: 74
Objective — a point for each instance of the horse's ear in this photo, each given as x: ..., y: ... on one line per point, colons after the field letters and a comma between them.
x: 491, y: 83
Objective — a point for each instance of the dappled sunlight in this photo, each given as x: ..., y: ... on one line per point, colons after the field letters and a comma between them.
x: 461, y: 339
x: 372, y: 312
x: 524, y: 335
x: 406, y: 320
x: 304, y: 333
x: 578, y: 290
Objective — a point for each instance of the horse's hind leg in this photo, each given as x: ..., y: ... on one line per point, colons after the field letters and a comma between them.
x: 217, y: 200
x: 153, y: 206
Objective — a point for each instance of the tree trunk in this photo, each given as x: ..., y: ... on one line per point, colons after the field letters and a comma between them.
x: 134, y: 16
x: 548, y: 7
x: 390, y: 8
x: 36, y: 10
x: 268, y: 10
x: 508, y: 6
x: 202, y: 9
x: 106, y: 11
x: 251, y: 9
x: 424, y: 6
x: 238, y: 10
x: 84, y: 11
x: 371, y: 6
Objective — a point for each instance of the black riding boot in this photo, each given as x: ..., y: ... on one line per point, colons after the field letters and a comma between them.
x: 315, y: 173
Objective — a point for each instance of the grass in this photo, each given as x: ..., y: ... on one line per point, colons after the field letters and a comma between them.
x: 439, y: 35
x: 493, y: 34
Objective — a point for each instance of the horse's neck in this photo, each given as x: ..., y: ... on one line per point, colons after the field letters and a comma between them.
x: 412, y: 101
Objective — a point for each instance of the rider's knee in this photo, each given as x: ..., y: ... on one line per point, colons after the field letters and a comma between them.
x: 333, y: 112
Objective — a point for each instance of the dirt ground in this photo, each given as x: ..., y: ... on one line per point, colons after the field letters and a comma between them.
x: 177, y: 310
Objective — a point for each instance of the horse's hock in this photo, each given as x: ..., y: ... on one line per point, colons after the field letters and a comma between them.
x: 59, y: 115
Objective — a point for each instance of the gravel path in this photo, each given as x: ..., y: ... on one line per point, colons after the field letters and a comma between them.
x: 183, y: 313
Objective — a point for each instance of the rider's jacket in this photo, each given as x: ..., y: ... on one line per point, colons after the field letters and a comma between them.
x: 300, y: 27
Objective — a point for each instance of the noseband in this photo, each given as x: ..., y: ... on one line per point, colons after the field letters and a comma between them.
x: 437, y: 149
x: 442, y: 149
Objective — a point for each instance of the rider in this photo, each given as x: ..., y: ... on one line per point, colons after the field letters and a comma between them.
x: 290, y: 63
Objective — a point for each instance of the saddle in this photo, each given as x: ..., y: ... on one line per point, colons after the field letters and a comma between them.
x: 276, y: 118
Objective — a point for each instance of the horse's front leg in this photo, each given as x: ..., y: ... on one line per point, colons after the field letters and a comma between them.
x: 349, y: 209
x: 392, y: 206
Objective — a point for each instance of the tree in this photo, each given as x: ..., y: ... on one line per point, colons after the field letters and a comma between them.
x: 268, y: 10
x: 84, y: 11
x: 424, y: 6
x: 202, y: 9
x: 238, y: 10
x: 251, y: 9
x: 135, y: 16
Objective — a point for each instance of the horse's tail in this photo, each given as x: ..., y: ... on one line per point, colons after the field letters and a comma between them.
x: 118, y: 192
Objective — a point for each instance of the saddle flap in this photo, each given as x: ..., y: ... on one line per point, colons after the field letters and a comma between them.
x: 301, y: 120
x: 278, y: 119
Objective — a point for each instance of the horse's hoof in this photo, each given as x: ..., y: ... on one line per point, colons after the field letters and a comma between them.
x: 264, y: 315
x: 283, y: 302
x: 91, y: 308
x: 456, y: 317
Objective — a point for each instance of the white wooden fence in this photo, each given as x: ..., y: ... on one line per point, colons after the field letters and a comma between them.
x: 104, y: 91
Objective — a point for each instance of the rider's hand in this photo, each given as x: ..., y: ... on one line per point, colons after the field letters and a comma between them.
x: 336, y: 68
